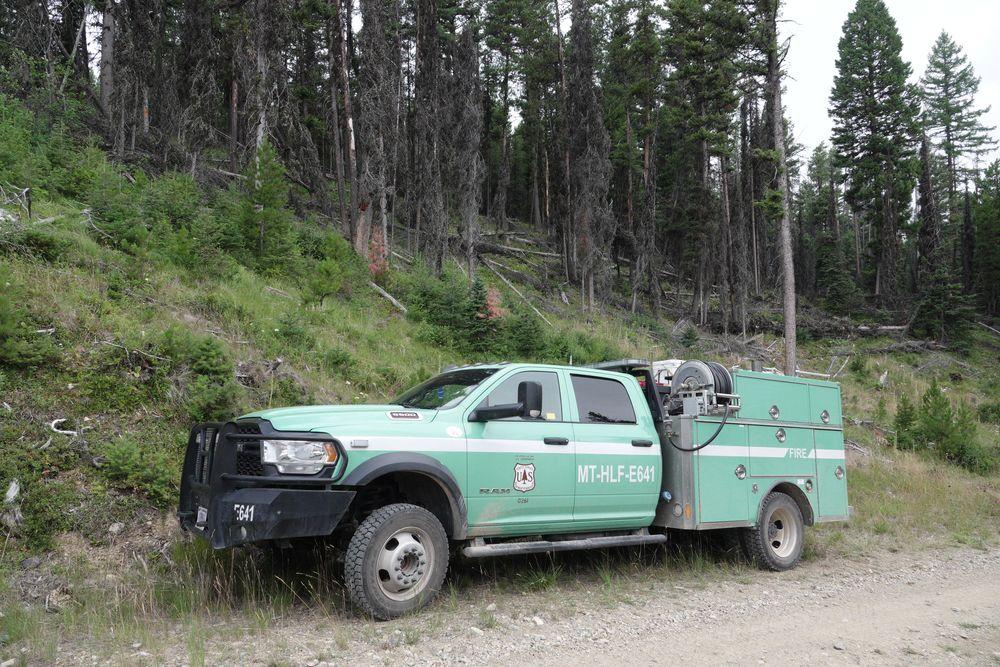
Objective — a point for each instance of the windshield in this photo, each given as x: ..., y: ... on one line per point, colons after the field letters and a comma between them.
x: 444, y: 391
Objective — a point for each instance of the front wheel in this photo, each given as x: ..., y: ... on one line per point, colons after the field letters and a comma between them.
x: 396, y: 561
x: 777, y: 540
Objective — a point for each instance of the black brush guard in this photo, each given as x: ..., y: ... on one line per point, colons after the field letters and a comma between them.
x: 230, y: 497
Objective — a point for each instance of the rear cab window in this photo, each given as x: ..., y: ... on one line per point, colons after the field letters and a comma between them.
x: 602, y: 400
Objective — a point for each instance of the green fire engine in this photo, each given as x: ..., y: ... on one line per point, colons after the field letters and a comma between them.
x: 514, y: 458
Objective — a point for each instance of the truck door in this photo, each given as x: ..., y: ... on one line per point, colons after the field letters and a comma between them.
x: 521, y: 473
x: 618, y: 460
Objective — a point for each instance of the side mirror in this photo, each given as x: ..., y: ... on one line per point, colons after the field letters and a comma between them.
x: 528, y: 406
x: 529, y: 395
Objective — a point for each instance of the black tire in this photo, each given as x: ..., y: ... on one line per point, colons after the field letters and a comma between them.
x: 396, y: 561
x: 777, y: 540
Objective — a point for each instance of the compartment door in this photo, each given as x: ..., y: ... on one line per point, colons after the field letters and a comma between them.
x: 721, y: 472
x: 831, y: 486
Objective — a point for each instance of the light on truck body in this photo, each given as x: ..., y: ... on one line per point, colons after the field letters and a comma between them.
x: 298, y: 456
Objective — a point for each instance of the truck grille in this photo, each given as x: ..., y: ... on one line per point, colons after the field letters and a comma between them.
x: 248, y: 460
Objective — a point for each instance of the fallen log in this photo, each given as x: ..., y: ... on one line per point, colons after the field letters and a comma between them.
x: 388, y: 297
x: 881, y: 328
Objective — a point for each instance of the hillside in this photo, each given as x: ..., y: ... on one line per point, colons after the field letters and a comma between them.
x: 134, y: 304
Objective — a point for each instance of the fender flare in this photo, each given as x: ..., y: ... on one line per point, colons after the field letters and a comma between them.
x: 413, y: 462
x: 791, y: 490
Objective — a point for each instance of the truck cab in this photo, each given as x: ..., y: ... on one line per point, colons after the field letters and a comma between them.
x: 501, y: 459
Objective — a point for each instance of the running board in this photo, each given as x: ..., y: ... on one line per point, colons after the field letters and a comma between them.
x: 479, y: 550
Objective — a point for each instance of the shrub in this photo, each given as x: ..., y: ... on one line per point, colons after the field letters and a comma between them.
x: 336, y: 358
x: 212, y: 394
x: 173, y: 199
x: 935, y: 423
x: 989, y: 413
x: 690, y: 336
x: 41, y: 243
x: 324, y: 279
x: 46, y: 507
x: 146, y: 468
x: 524, y: 333
x: 905, y: 424
x: 20, y: 346
x: 952, y: 434
x: 963, y: 448
x: 292, y: 330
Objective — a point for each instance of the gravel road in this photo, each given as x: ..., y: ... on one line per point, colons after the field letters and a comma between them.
x: 929, y: 607
x: 939, y: 608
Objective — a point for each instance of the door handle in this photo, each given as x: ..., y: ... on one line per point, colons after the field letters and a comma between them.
x: 642, y: 443
x: 556, y: 441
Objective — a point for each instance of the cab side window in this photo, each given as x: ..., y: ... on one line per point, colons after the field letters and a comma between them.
x: 602, y: 401
x: 506, y: 393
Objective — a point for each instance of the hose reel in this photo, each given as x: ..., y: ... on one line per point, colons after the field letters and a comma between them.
x: 702, y: 388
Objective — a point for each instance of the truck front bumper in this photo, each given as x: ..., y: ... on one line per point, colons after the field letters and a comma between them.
x: 240, y: 516
x: 226, y: 505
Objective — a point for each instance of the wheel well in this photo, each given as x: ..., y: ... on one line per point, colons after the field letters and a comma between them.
x: 407, y: 487
x: 796, y: 494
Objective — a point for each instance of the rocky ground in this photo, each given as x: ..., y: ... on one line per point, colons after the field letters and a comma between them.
x: 931, y: 607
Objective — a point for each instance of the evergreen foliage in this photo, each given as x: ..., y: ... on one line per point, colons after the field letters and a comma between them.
x: 945, y: 311
x: 875, y: 114
x: 266, y: 223
x: 905, y: 424
x: 949, y: 87
x: 986, y: 217
x: 950, y: 433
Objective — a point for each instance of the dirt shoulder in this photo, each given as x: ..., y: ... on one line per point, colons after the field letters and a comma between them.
x: 933, y: 606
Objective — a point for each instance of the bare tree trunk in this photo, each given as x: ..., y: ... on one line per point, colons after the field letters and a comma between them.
x: 834, y: 218
x: 107, y: 71
x: 784, y: 227
x: 234, y: 122
x: 338, y: 151
x: 968, y: 242
x: 344, y: 23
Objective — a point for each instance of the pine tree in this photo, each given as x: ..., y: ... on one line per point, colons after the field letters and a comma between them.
x: 929, y: 231
x: 986, y: 217
x: 267, y: 223
x: 875, y: 111
x: 944, y: 311
x: 905, y: 423
x: 949, y: 87
x: 702, y: 44
x: 631, y: 86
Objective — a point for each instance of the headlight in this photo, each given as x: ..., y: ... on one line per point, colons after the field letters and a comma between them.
x: 298, y: 456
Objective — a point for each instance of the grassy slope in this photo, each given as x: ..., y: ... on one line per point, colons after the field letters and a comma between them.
x: 353, y: 349
x: 107, y: 392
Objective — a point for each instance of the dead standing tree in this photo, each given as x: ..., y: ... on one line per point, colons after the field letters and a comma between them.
x: 466, y: 168
x: 774, y: 57
x: 377, y: 90
x: 589, y: 149
x: 431, y: 224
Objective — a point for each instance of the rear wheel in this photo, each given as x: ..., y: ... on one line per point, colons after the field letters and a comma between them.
x: 396, y: 561
x: 777, y: 540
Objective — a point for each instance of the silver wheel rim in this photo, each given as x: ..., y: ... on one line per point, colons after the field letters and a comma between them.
x: 404, y: 563
x: 782, y: 532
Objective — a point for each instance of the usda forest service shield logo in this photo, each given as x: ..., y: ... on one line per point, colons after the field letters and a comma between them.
x: 524, y: 477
